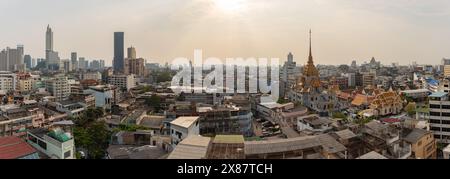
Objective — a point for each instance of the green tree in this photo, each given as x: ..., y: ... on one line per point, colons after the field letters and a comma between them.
x: 411, y: 109
x: 90, y: 134
x: 154, y: 102
x: 164, y: 77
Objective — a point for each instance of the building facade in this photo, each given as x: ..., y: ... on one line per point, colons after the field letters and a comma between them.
x: 118, y: 62
x: 59, y: 87
x: 124, y: 82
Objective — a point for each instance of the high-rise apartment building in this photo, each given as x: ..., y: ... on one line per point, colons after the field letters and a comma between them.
x: 8, y: 81
x: 368, y: 79
x: 123, y: 82
x: 59, y: 87
x: 134, y: 65
x: 440, y: 116
x: 12, y: 59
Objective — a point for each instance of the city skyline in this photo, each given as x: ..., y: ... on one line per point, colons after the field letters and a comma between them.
x: 238, y: 28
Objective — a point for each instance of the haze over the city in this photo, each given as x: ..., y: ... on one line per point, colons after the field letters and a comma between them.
x: 400, y: 31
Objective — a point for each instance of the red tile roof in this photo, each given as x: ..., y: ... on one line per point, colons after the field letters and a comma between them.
x: 13, y: 147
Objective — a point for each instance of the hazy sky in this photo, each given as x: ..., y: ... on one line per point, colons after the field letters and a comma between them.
x: 343, y: 30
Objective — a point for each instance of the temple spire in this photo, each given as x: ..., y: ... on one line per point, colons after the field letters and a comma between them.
x: 310, y: 60
x: 310, y: 43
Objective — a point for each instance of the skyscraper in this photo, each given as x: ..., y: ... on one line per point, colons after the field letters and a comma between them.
x: 119, y: 58
x: 49, y: 39
x: 51, y: 56
x: 73, y: 59
x: 12, y: 59
x: 131, y: 52
x: 81, y: 63
x: 27, y: 60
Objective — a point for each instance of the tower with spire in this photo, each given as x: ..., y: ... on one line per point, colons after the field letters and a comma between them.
x: 309, y: 91
x: 310, y: 81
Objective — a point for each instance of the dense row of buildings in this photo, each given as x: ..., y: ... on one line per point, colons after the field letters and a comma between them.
x: 366, y: 111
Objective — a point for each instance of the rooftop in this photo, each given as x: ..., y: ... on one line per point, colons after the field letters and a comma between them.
x: 13, y: 147
x: 438, y: 95
x: 372, y: 155
x: 345, y: 134
x: 416, y: 91
x: 185, y: 122
x: 135, y: 152
x: 415, y: 135
x: 152, y: 121
x: 315, y: 120
x: 229, y: 139
x: 26, y: 102
x: 193, y: 147
x: 325, y: 141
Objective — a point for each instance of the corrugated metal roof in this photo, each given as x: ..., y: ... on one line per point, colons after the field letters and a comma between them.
x: 229, y: 139
x: 193, y: 147
x: 13, y: 147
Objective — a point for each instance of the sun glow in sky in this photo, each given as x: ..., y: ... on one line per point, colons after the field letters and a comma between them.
x: 400, y: 31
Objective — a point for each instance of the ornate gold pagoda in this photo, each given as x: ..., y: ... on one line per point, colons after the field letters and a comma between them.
x: 310, y: 78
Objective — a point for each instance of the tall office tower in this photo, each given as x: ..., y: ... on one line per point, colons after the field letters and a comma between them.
x: 33, y: 63
x: 81, y: 63
x: 53, y: 60
x: 66, y: 65
x: 51, y: 56
x: 118, y: 62
x: 351, y: 79
x: 131, y: 52
x: 28, y: 61
x: 73, y: 60
x: 4, y: 60
x: 49, y: 39
x: 95, y: 65
x: 102, y: 64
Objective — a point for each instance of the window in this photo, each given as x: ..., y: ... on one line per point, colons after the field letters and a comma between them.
x: 42, y: 144
x: 435, y: 121
x: 445, y: 106
x: 435, y: 114
x: 437, y: 136
x: 32, y: 139
x: 434, y: 106
x: 435, y: 128
x: 446, y: 114
x: 445, y: 122
x: 445, y: 129
x: 67, y: 154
